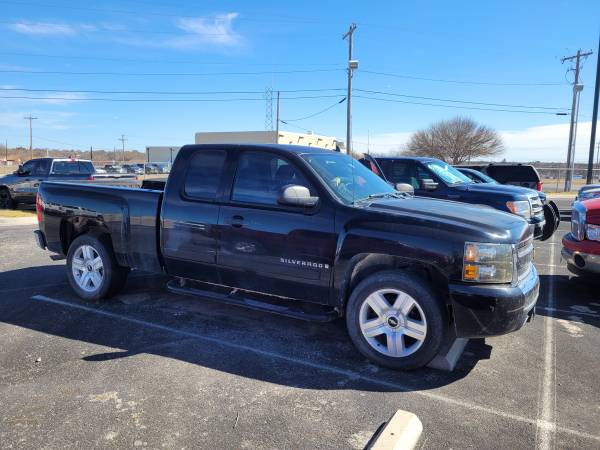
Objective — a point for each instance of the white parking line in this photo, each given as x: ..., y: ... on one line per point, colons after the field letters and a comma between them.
x: 540, y: 423
x: 547, y: 409
x: 566, y: 311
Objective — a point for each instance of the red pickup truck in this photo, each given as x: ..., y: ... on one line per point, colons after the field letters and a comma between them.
x: 581, y: 247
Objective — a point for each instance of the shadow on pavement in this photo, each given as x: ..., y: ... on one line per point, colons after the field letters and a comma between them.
x: 575, y: 298
x: 246, y: 343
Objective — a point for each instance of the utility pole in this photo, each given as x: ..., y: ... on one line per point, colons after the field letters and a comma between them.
x: 277, y: 126
x: 6, y: 151
x: 577, y: 88
x: 123, y: 140
x: 352, y: 65
x: 31, y: 119
x: 91, y: 154
x: 594, y: 119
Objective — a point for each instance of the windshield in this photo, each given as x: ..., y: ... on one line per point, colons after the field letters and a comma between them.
x: 348, y: 178
x: 447, y: 173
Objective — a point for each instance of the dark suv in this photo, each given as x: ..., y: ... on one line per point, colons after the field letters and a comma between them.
x: 523, y: 175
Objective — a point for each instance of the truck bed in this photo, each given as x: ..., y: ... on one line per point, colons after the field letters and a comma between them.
x: 129, y: 215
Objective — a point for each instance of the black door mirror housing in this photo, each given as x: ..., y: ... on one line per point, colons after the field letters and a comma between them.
x: 295, y: 195
x: 428, y: 184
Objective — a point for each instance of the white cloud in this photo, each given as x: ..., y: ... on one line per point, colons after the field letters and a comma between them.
x: 48, y: 120
x: 61, y: 98
x: 206, y: 30
x: 547, y: 143
x: 43, y: 28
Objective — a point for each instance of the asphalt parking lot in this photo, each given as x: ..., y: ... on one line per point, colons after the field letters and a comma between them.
x: 149, y: 369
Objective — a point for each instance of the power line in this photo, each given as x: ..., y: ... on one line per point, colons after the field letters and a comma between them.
x: 190, y: 100
x: 456, y: 106
x: 166, y: 74
x: 162, y: 61
x: 461, y: 101
x: 93, y: 91
x: 482, y: 83
x: 317, y: 113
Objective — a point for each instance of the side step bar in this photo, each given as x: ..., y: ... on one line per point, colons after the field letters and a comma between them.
x: 288, y: 308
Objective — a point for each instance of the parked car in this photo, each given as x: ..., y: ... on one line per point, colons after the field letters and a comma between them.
x: 307, y: 233
x: 476, y: 176
x: 524, y: 175
x: 22, y: 185
x: 433, y: 178
x: 112, y: 168
x: 588, y: 192
x: 133, y: 168
x: 581, y: 247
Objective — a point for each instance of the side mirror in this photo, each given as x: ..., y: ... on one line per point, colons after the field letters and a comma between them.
x: 19, y: 171
x: 428, y: 184
x: 295, y: 195
x: 405, y: 188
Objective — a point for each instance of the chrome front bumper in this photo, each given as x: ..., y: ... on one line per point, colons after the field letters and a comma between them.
x: 581, y: 261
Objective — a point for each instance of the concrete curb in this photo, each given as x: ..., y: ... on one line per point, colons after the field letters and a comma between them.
x: 17, y: 221
x: 401, y: 432
x: 449, y: 354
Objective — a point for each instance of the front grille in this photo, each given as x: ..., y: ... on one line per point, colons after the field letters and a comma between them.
x: 524, y: 257
x: 537, y: 209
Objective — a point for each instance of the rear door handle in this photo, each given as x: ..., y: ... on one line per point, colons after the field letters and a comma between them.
x: 237, y: 221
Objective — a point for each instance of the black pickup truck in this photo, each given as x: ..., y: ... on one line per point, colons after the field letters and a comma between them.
x: 430, y: 177
x: 307, y: 233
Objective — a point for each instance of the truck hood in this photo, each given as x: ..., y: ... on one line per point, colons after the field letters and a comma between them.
x: 471, y: 222
x: 496, y: 189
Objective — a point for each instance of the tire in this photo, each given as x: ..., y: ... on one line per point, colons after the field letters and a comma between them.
x: 6, y: 201
x: 387, y: 344
x: 85, y: 256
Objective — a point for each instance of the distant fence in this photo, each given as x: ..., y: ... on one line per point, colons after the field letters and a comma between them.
x: 553, y: 178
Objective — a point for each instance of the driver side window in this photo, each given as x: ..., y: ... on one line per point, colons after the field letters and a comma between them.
x: 261, y: 177
x: 27, y: 168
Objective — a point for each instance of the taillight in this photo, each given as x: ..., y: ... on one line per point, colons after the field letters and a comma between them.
x: 90, y: 178
x: 38, y: 207
x: 539, y: 186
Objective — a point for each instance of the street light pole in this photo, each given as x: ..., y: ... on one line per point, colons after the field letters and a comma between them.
x: 351, y: 66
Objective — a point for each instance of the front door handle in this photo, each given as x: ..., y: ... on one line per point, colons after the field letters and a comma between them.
x: 237, y: 221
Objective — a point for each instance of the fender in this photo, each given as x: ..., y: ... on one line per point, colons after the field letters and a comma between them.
x: 367, y: 248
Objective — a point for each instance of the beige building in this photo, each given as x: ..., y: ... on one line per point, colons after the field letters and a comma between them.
x: 267, y: 137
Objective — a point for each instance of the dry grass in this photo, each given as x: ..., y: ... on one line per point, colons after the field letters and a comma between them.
x: 16, y: 213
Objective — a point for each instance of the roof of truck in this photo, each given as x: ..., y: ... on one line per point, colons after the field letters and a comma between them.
x: 300, y: 149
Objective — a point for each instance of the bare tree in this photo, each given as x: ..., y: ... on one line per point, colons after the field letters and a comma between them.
x: 455, y: 141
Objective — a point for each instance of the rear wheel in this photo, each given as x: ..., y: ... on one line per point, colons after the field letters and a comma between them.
x: 6, y: 201
x: 92, y: 268
x: 395, y: 320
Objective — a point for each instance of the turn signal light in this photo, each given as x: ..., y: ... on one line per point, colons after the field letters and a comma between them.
x: 471, y: 272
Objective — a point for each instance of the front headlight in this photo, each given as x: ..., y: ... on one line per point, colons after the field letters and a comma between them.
x: 578, y: 224
x: 593, y: 232
x: 521, y: 208
x: 488, y: 263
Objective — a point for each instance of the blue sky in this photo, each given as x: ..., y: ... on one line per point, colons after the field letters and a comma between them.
x: 489, y: 52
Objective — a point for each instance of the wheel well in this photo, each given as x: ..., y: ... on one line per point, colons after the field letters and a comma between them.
x: 73, y: 228
x: 374, y: 263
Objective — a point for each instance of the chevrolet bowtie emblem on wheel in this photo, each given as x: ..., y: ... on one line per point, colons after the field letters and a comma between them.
x: 297, y: 262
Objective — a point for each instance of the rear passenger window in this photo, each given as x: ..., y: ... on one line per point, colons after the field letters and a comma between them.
x: 204, y: 173
x: 65, y: 167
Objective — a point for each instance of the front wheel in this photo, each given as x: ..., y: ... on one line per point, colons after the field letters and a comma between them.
x: 92, y: 268
x: 395, y: 320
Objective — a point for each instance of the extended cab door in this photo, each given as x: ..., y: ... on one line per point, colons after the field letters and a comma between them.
x: 190, y: 214
x: 271, y: 248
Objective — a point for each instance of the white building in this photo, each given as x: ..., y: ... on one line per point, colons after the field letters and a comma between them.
x: 267, y: 137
